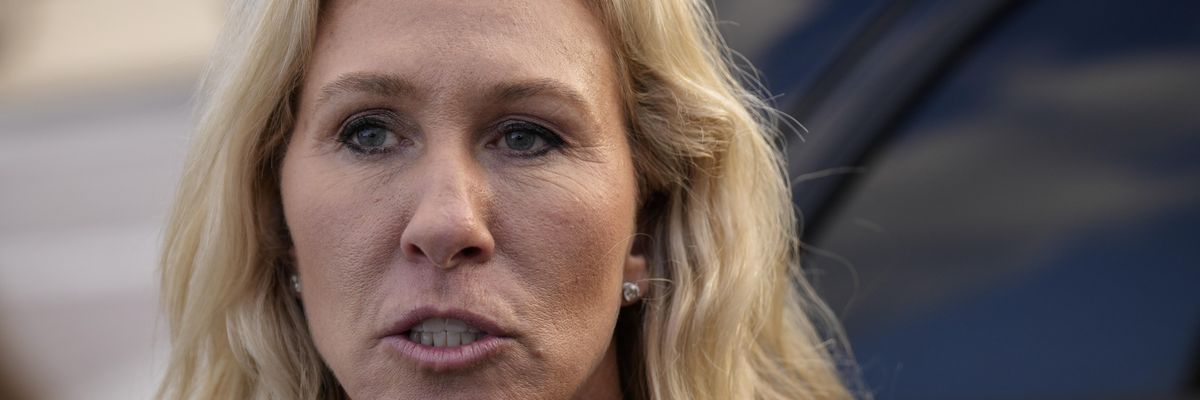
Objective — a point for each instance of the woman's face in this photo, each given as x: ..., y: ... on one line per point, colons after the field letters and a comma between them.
x: 461, y: 199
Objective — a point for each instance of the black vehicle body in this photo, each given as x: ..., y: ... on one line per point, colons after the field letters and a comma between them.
x: 1001, y: 198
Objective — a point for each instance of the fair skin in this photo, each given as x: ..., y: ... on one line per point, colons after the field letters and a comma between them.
x: 463, y: 160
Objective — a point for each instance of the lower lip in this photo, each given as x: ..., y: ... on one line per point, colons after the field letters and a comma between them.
x: 442, y: 359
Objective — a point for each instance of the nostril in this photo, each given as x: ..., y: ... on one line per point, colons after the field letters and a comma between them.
x: 471, y: 252
x: 415, y: 250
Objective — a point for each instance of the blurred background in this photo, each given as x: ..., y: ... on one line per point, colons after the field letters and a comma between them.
x: 94, y: 117
x: 1001, y: 198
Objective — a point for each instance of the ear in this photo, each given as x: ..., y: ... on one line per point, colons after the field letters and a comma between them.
x: 635, y: 267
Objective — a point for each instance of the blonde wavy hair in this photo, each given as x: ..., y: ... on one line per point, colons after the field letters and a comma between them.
x: 729, y: 317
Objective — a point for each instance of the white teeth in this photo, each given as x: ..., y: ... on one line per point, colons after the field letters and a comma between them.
x: 444, y: 332
x: 434, y: 325
x: 456, y: 325
x: 439, y: 339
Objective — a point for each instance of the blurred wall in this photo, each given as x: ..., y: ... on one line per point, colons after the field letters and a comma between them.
x: 94, y: 116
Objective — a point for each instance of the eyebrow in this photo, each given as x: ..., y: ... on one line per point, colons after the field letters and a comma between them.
x: 394, y: 86
x: 511, y: 92
x: 382, y: 85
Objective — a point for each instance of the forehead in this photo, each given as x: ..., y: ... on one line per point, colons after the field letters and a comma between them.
x: 460, y: 43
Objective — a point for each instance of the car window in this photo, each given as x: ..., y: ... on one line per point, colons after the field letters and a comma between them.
x: 1030, y: 229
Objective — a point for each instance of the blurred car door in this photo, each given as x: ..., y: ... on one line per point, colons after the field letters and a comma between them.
x: 1001, y: 199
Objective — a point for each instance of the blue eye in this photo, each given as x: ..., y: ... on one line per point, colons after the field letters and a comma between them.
x: 371, y: 137
x: 528, y: 139
x: 520, y: 140
x: 368, y: 135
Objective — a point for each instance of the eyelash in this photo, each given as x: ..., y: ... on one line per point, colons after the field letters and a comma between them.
x: 553, y: 141
x: 357, y: 124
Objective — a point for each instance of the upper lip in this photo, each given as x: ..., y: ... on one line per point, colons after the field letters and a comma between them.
x: 415, y: 316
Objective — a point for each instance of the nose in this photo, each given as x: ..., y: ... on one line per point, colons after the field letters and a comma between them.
x: 449, y: 227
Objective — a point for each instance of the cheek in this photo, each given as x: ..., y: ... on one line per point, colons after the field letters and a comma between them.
x: 341, y: 243
x: 568, y: 231
x: 329, y: 215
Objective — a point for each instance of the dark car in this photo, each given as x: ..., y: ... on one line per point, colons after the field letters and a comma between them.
x: 1000, y: 199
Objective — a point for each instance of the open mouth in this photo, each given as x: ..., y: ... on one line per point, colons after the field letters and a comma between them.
x: 443, y: 340
x: 444, y: 332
